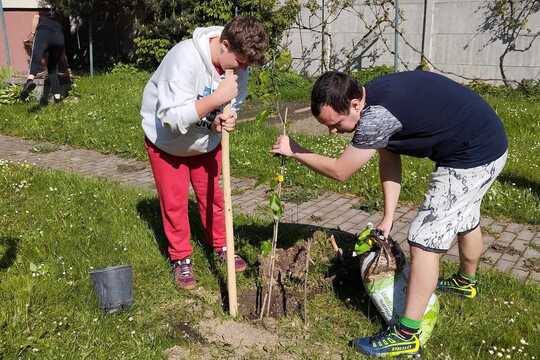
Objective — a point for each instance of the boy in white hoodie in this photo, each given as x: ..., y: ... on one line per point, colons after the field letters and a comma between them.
x: 182, y: 120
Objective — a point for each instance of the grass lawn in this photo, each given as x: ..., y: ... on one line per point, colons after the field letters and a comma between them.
x: 55, y: 228
x: 106, y: 118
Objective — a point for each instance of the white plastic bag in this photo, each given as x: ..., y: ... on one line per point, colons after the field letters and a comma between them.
x: 385, y: 273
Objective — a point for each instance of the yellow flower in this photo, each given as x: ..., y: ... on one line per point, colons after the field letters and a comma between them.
x: 279, y: 178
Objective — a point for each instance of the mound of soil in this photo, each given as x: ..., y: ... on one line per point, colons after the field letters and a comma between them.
x: 288, y: 278
x: 287, y: 288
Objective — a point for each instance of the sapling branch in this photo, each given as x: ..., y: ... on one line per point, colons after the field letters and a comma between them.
x: 277, y: 210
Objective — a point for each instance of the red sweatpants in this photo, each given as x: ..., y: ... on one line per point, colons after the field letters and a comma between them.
x: 172, y: 175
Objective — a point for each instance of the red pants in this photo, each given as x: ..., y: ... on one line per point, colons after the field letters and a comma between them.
x: 173, y: 175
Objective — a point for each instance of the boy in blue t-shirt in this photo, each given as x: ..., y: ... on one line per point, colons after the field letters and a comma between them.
x: 420, y: 114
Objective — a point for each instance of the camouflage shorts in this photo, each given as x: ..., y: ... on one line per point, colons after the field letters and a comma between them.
x: 452, y: 204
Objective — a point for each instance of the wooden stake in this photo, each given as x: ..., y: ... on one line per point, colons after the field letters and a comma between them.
x: 308, y: 251
x: 226, y: 170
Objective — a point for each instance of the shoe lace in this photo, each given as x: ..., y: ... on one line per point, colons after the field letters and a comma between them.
x: 383, y: 334
x: 184, y: 267
x: 459, y: 281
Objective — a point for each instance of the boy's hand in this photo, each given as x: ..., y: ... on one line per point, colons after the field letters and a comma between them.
x: 385, y: 226
x: 284, y: 146
x: 224, y: 122
x: 227, y: 89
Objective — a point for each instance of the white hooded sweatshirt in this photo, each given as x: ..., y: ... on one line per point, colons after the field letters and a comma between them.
x: 186, y: 74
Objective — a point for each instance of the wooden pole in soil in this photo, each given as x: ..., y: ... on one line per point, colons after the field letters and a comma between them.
x: 226, y: 170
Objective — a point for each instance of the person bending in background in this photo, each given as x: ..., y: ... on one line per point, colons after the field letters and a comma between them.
x: 49, y: 47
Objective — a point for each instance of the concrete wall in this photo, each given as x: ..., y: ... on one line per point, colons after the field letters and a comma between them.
x: 451, y: 42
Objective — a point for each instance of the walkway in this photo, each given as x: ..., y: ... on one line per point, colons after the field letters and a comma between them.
x: 509, y: 247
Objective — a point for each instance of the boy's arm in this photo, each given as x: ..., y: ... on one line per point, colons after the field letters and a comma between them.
x: 177, y: 107
x: 390, y: 173
x: 226, y: 91
x: 340, y: 169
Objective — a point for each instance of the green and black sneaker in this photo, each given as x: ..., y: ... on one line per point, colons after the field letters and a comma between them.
x: 389, y: 343
x: 457, y: 284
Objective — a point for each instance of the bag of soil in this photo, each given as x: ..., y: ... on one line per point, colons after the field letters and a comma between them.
x: 385, y: 272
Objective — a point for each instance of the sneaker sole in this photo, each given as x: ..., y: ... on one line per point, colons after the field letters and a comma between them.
x: 24, y: 94
x: 241, y: 269
x: 457, y: 293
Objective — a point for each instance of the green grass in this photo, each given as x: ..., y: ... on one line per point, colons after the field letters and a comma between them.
x: 55, y: 228
x: 106, y: 118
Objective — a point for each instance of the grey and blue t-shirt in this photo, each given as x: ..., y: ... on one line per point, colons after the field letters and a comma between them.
x: 424, y: 114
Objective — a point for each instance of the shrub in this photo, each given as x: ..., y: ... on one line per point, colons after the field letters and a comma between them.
x: 527, y: 88
x: 124, y: 69
x: 368, y: 74
x: 149, y: 52
x: 6, y: 73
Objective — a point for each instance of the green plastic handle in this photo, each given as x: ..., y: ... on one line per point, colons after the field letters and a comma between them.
x: 364, y: 244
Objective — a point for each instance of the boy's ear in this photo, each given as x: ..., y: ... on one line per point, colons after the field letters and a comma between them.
x: 225, y: 44
x: 356, y: 104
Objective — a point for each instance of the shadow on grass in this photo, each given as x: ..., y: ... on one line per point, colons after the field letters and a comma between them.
x: 344, y: 274
x: 150, y: 212
x: 520, y: 182
x: 347, y: 278
x: 10, y: 253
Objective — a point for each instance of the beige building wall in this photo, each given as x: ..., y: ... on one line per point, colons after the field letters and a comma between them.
x: 451, y: 42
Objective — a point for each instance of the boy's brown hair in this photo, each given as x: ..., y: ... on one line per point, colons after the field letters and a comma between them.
x: 247, y: 37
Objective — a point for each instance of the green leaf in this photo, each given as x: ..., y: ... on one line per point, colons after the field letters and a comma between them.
x: 266, y: 247
x: 276, y: 206
x: 33, y: 267
x: 262, y: 117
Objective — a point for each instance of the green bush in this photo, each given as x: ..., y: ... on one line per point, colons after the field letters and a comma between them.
x: 368, y: 74
x: 124, y: 69
x: 291, y: 85
x: 531, y: 87
x: 6, y: 72
x: 527, y: 88
x: 484, y: 88
x: 176, y: 20
x: 149, y: 52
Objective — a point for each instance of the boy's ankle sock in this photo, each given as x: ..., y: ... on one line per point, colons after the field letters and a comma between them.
x: 465, y: 278
x: 407, y: 327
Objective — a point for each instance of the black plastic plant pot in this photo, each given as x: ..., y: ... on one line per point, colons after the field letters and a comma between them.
x: 113, y: 287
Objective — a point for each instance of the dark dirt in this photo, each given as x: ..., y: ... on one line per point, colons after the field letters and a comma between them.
x: 289, y: 273
x: 288, y: 286
x: 184, y: 330
x: 533, y: 264
x: 505, y: 249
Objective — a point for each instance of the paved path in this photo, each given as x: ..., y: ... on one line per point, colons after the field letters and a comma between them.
x: 509, y: 247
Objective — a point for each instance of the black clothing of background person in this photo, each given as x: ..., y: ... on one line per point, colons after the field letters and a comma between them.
x: 48, y: 41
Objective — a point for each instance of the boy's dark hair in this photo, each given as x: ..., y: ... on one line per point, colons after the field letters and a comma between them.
x: 247, y: 37
x: 335, y: 89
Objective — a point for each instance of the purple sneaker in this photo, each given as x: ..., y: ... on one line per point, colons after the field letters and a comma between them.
x: 183, y: 273
x: 239, y: 263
